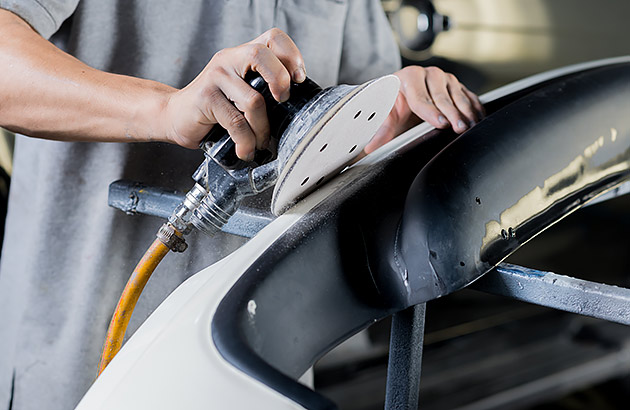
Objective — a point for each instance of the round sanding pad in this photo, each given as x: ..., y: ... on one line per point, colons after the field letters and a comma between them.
x: 331, y: 139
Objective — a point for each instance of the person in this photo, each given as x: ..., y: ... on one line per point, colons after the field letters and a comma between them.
x: 79, y: 75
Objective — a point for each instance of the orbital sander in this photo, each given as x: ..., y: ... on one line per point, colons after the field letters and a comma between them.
x: 315, y: 134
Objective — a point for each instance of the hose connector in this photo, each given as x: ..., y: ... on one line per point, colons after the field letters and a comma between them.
x: 181, y: 216
x: 172, y: 238
x: 214, y: 212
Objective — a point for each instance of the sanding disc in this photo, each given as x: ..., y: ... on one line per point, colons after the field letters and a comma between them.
x: 332, y: 138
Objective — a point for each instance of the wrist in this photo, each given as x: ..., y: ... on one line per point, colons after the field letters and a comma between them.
x: 180, y: 120
x: 152, y: 115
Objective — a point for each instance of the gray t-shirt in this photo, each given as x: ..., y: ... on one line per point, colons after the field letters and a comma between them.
x: 67, y: 256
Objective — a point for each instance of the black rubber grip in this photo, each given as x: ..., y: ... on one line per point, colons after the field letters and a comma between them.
x: 279, y: 115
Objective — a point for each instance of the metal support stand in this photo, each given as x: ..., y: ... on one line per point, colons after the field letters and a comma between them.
x: 560, y: 292
x: 405, y: 359
x: 137, y: 198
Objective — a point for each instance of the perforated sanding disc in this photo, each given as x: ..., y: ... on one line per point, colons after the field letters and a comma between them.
x: 332, y: 138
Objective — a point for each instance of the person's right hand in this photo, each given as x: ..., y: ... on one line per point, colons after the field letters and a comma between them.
x: 219, y: 95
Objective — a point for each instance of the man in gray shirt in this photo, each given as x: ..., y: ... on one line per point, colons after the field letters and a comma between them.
x: 82, y: 74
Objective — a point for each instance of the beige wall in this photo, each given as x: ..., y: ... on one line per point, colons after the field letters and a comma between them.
x: 510, y: 39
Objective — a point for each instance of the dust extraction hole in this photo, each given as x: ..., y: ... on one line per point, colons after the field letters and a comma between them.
x: 357, y: 114
x: 352, y: 149
x: 371, y: 116
x: 323, y: 147
x: 304, y: 182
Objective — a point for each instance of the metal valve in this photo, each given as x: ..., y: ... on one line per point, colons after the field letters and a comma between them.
x: 223, y: 179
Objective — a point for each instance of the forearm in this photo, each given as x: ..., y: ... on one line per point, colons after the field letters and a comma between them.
x: 47, y: 93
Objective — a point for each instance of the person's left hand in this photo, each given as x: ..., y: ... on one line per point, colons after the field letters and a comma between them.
x: 428, y: 94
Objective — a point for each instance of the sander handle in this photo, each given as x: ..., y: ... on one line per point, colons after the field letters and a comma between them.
x: 218, y: 145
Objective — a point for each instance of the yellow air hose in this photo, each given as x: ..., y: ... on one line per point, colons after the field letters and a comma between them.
x: 127, y: 302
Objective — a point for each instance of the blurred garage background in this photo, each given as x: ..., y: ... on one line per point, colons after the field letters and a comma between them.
x: 493, y: 42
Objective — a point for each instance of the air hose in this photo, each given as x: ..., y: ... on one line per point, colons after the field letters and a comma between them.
x: 222, y: 180
x: 167, y: 238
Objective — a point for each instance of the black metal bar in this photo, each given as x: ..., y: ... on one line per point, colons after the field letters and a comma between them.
x: 405, y: 359
x: 247, y: 222
x: 560, y: 292
x: 137, y: 198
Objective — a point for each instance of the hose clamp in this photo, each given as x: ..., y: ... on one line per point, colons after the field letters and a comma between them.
x: 169, y: 237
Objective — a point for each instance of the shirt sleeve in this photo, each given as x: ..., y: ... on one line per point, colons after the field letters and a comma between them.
x: 45, y: 16
x: 369, y: 47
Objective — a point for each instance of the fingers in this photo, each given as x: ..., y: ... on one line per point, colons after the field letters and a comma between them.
x: 481, y: 111
x: 439, y: 98
x: 418, y: 96
x: 287, y: 52
x: 451, y: 102
x: 465, y: 101
x: 278, y: 60
x: 221, y: 94
x: 234, y: 121
x: 252, y: 104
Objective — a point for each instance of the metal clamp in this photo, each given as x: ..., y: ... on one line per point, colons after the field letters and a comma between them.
x: 168, y: 235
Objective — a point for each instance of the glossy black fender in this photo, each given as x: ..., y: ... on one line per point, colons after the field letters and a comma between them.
x: 519, y: 171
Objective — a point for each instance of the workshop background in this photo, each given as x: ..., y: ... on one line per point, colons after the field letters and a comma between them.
x: 484, y: 352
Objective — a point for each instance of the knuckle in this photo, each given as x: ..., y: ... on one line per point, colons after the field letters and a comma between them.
x: 280, y: 79
x: 461, y: 97
x: 221, y: 55
x: 433, y: 70
x: 255, y: 101
x: 238, y: 121
x: 212, y: 94
x: 442, y: 99
x: 255, y: 51
x: 275, y: 33
x: 416, y: 70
